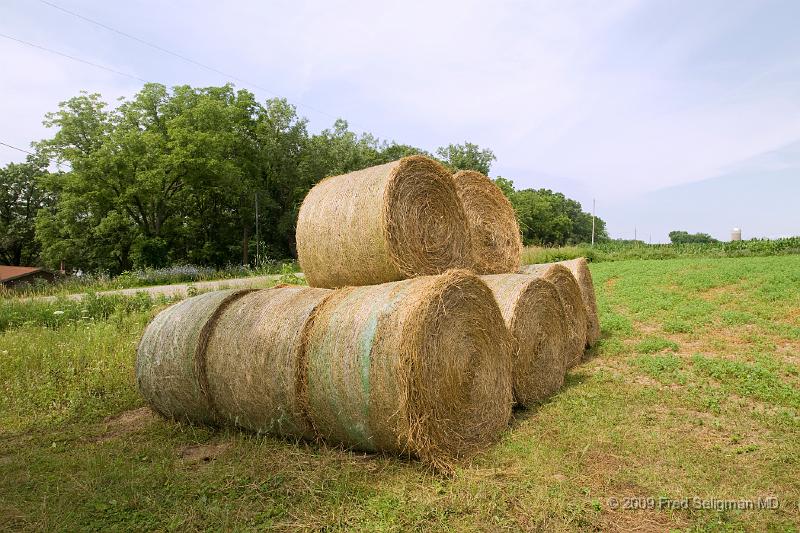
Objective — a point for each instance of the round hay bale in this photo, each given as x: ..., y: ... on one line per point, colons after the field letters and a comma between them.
x: 420, y: 367
x: 571, y: 299
x: 255, y: 362
x: 380, y: 224
x: 533, y: 313
x: 580, y: 269
x: 495, y: 238
x: 170, y: 364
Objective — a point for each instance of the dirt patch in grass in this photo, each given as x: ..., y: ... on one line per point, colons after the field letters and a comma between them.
x: 716, y: 292
x: 203, y: 453
x: 600, y: 467
x: 789, y: 352
x: 125, y: 423
x: 640, y: 521
x: 793, y: 316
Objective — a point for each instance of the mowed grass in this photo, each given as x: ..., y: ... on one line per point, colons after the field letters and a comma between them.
x: 693, y: 391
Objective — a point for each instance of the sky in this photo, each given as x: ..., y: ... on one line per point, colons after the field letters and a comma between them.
x: 670, y: 114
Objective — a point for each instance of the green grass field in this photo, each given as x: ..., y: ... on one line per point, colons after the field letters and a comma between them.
x: 693, y: 391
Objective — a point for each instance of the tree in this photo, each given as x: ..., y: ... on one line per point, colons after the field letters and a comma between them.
x: 21, y: 197
x: 549, y: 218
x: 152, y: 182
x: 467, y: 156
x: 684, y: 237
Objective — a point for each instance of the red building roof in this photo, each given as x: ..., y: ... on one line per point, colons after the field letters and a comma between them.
x: 7, y: 273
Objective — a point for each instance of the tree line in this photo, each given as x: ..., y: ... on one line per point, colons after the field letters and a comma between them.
x: 684, y: 237
x: 173, y: 176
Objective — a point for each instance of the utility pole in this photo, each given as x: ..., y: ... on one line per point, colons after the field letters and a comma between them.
x: 635, y: 236
x: 594, y: 205
x: 258, y: 235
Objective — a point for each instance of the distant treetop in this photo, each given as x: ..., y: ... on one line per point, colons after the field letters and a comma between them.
x: 683, y: 237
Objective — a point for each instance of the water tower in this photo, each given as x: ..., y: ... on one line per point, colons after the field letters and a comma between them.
x: 736, y: 234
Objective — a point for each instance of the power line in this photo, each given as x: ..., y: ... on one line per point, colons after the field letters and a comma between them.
x: 18, y: 149
x: 58, y: 163
x: 73, y: 58
x: 179, y: 56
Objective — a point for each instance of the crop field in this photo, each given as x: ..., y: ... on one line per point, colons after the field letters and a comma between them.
x: 629, y: 250
x: 688, y: 409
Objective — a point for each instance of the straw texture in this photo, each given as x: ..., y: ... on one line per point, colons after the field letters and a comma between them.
x: 382, y: 223
x: 255, y: 361
x: 170, y: 365
x: 533, y: 313
x: 420, y: 367
x: 571, y: 299
x: 495, y: 238
x: 580, y: 269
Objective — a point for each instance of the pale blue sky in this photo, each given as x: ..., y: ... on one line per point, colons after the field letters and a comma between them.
x: 642, y: 105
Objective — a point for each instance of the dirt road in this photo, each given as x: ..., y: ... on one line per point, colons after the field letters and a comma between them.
x: 179, y: 289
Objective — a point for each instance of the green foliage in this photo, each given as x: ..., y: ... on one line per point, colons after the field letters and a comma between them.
x: 55, y: 314
x: 550, y: 218
x: 665, y: 368
x: 618, y: 250
x: 761, y: 379
x: 21, y: 197
x: 467, y: 156
x: 683, y: 237
x: 616, y: 324
x: 75, y: 372
x: 656, y: 344
x: 289, y: 276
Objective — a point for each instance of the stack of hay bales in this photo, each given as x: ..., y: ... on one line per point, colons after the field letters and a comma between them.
x: 416, y: 335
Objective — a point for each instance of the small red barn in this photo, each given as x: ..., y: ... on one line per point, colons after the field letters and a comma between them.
x: 13, y: 276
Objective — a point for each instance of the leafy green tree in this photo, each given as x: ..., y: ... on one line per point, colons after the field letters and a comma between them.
x: 155, y: 181
x: 467, y: 156
x: 393, y: 151
x: 21, y: 197
x: 684, y: 237
x: 549, y: 218
x: 505, y: 185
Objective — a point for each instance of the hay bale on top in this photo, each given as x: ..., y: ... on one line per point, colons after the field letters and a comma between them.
x: 533, y: 313
x: 495, y: 238
x: 170, y: 367
x: 580, y: 269
x: 571, y: 299
x: 255, y: 361
x: 382, y: 223
x: 419, y: 367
